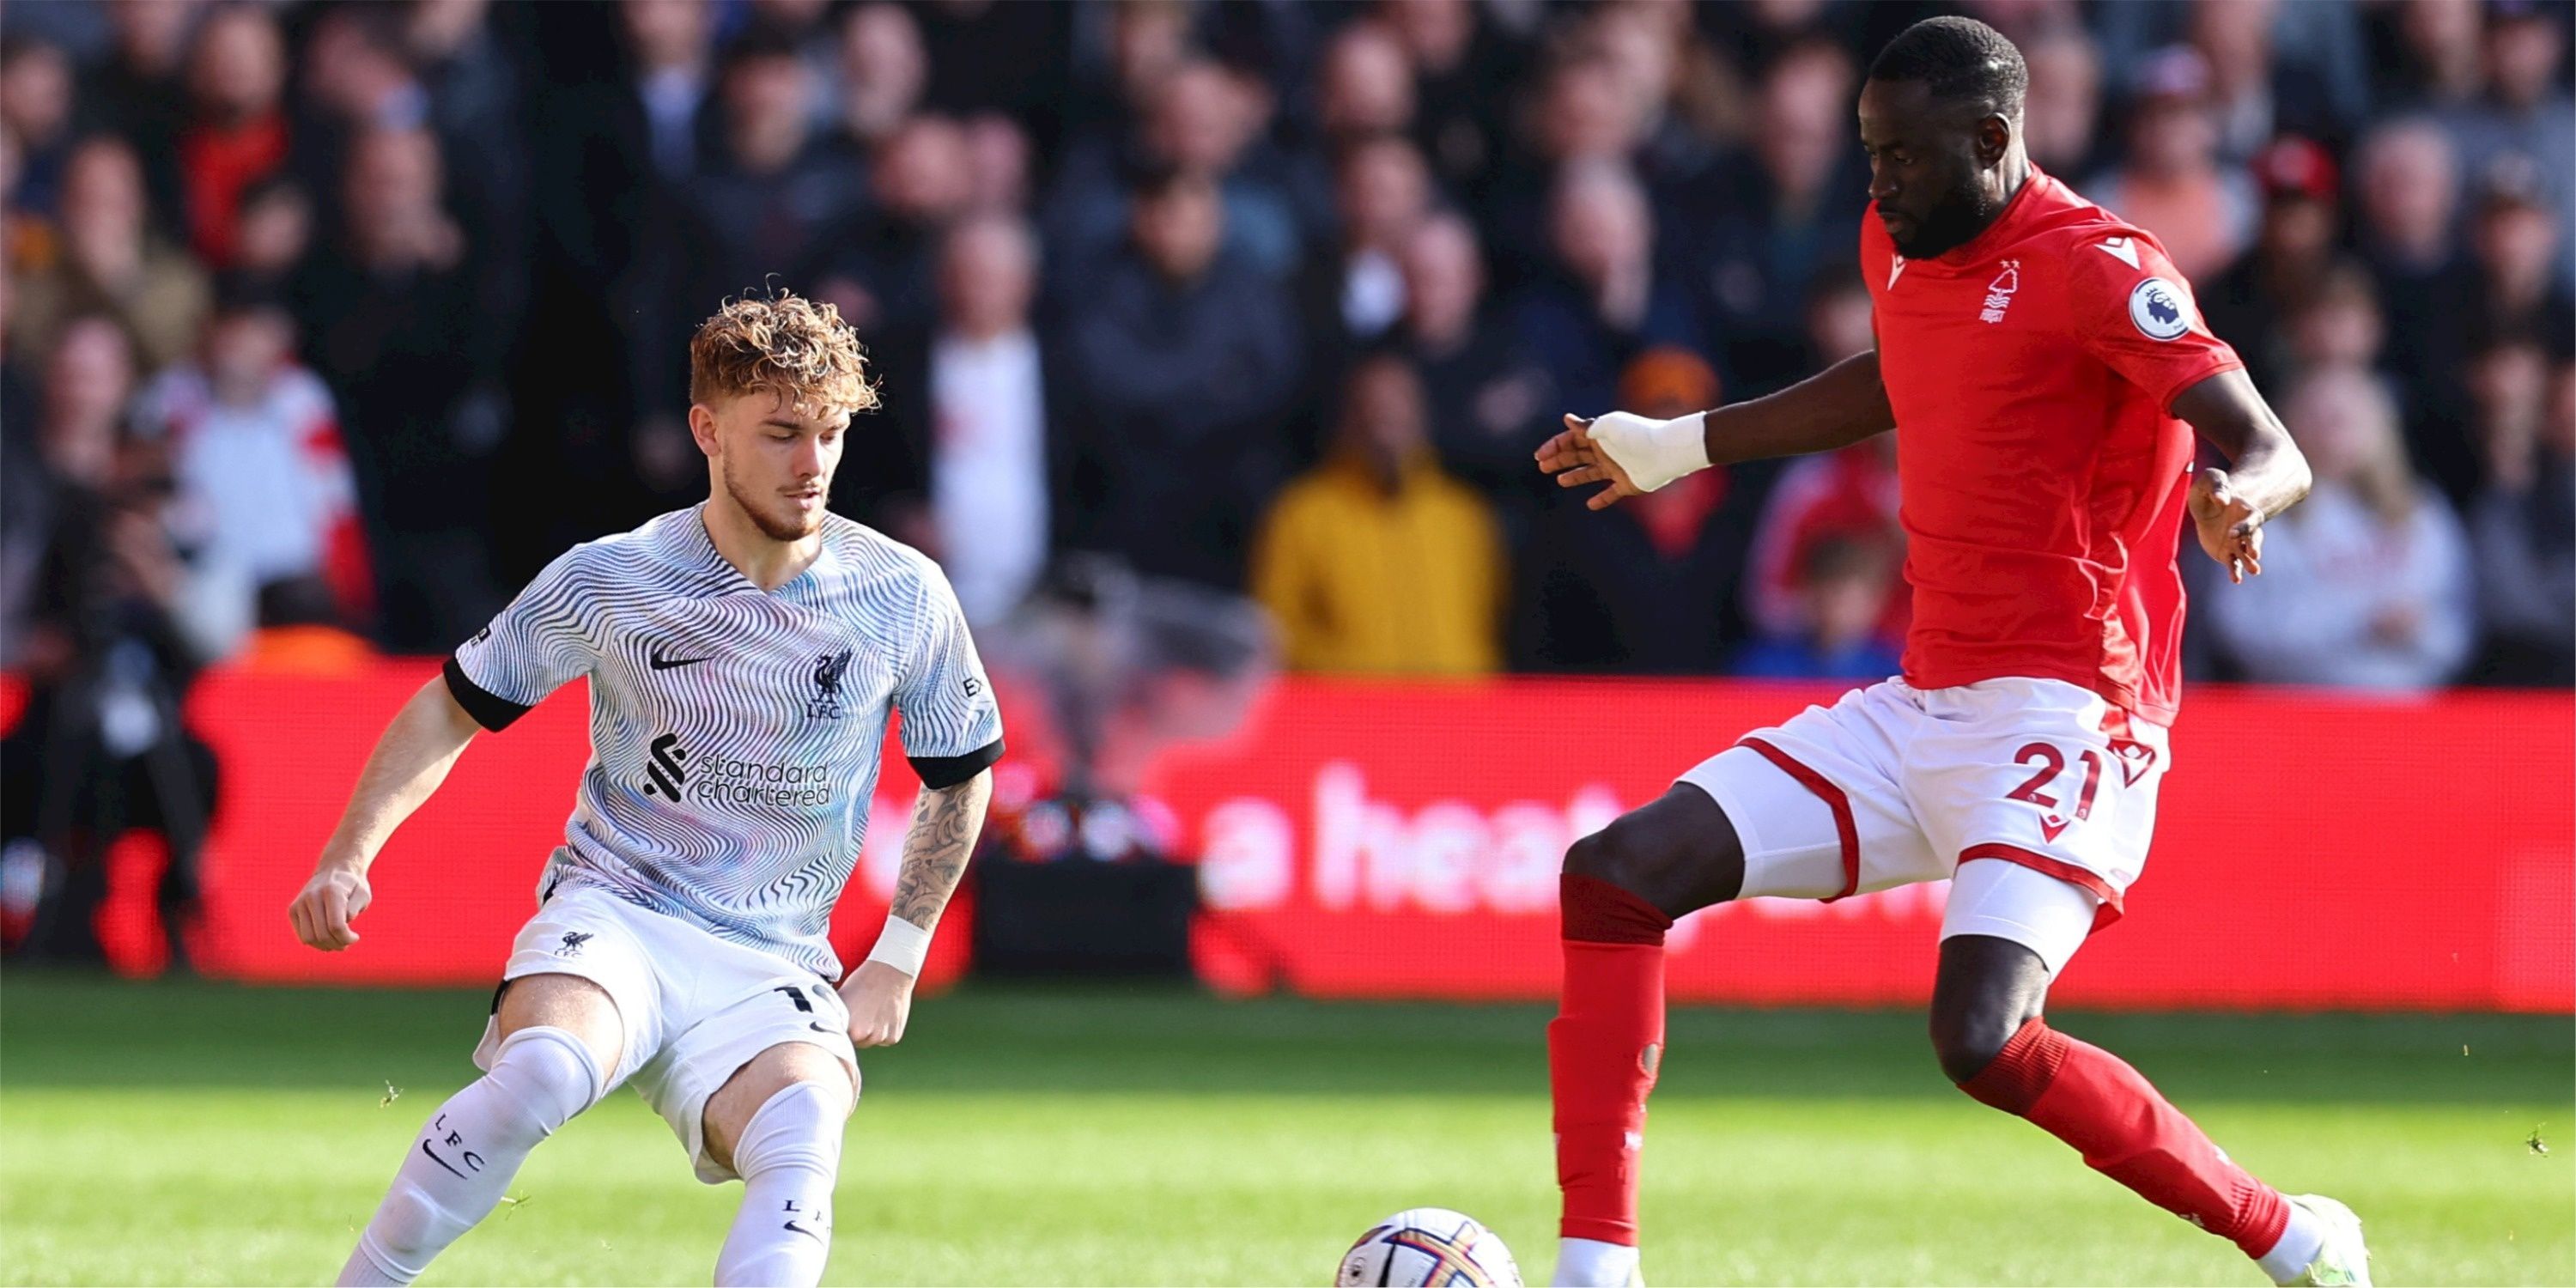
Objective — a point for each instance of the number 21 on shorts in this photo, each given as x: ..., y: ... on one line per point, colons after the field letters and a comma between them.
x: 2052, y: 763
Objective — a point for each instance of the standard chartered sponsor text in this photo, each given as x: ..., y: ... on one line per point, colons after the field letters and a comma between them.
x: 722, y: 779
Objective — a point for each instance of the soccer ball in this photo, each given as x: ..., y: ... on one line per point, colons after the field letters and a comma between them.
x: 1428, y: 1247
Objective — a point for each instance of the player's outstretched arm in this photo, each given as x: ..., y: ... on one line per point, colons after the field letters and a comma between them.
x: 2266, y: 474
x: 409, y: 762
x: 1836, y: 407
x: 945, y: 823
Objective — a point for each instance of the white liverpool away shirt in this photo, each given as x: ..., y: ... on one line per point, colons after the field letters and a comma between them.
x: 735, y: 733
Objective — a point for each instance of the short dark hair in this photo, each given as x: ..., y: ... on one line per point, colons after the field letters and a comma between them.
x: 1961, y: 60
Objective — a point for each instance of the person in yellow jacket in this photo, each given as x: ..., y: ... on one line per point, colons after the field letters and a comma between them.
x: 1377, y: 561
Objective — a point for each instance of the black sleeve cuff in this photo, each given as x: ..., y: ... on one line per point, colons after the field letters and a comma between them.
x: 941, y: 772
x: 489, y: 709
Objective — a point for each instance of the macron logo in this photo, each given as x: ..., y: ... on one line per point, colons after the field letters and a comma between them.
x: 2123, y: 249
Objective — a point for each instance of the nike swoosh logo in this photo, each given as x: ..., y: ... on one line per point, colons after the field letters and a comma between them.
x: 802, y: 1230
x: 816, y: 1026
x: 433, y: 1157
x: 661, y: 663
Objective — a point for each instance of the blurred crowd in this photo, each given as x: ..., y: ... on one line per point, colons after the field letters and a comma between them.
x: 327, y: 323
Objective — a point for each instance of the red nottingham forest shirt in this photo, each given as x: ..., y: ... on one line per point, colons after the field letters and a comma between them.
x: 2041, y: 477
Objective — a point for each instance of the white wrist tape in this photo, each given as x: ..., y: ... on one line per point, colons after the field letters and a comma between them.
x: 901, y: 945
x: 1654, y: 452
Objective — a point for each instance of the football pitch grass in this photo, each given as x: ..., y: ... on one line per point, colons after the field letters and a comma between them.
x: 197, y: 1133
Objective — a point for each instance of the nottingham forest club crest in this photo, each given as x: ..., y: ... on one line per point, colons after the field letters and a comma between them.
x: 828, y: 670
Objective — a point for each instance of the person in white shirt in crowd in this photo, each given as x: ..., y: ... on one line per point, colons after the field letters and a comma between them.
x: 2366, y: 585
x: 254, y: 443
x: 988, y: 418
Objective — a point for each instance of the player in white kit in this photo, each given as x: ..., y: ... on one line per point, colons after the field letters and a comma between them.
x: 743, y: 656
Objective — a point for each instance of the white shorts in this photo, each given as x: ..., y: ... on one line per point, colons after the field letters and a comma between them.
x: 1894, y: 785
x: 695, y: 1008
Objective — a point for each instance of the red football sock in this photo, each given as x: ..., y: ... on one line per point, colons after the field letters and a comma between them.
x: 2128, y: 1131
x: 1602, y: 1052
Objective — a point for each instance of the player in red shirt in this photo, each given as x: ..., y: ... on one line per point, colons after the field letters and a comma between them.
x: 2044, y: 368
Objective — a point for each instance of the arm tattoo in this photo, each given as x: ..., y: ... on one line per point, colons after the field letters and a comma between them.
x: 945, y: 824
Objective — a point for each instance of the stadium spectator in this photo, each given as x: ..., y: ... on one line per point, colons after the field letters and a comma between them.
x: 1198, y: 119
x: 2504, y: 290
x: 36, y: 110
x: 2062, y: 109
x: 276, y: 233
x: 137, y: 93
x: 2283, y: 270
x: 804, y: 27
x: 2437, y: 60
x: 254, y: 443
x: 1602, y: 302
x: 1644, y: 589
x: 2340, y: 326
x: 1772, y: 221
x: 1376, y: 561
x: 2522, y: 526
x: 2409, y: 194
x: 1491, y: 403
x: 1839, y: 321
x: 108, y: 260
x: 2528, y: 112
x: 2367, y: 583
x: 1183, y: 361
x: 379, y: 67
x: 119, y: 622
x: 1671, y: 153
x: 1581, y: 112
x: 877, y: 267
x: 1462, y: 73
x: 670, y: 44
x: 2173, y: 181
x: 1354, y: 285
x: 1001, y: 59
x: 2276, y: 69
x: 884, y: 72
x: 395, y: 324
x: 1000, y: 165
x: 1847, y: 495
x: 1364, y: 88
x: 2511, y: 287
x: 1119, y: 70
x: 237, y: 127
x: 772, y: 196
x: 969, y: 474
x: 1841, y: 585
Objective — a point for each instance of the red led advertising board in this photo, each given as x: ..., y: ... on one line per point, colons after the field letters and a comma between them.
x: 1385, y: 839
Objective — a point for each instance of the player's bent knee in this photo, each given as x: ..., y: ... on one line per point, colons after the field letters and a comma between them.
x: 1678, y: 852
x: 799, y: 1126
x: 549, y: 1074
x: 1967, y: 1040
x: 1987, y: 988
x: 788, y: 1066
x: 571, y: 1003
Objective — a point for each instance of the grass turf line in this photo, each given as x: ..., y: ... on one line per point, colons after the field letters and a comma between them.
x: 194, y: 1133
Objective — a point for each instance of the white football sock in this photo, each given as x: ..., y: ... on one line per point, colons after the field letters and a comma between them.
x: 1591, y: 1263
x: 788, y: 1156
x: 2301, y: 1240
x: 467, y: 1153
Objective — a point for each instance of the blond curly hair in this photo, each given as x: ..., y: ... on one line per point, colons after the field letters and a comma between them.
x: 781, y: 343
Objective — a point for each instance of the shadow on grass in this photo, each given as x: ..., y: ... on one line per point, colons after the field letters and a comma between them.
x: 82, y: 1031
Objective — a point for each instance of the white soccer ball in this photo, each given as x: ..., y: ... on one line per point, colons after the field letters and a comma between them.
x: 1426, y: 1248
